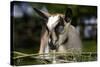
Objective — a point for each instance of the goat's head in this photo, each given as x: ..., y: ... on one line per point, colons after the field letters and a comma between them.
x: 55, y: 23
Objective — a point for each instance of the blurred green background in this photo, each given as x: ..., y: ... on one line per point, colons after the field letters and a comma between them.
x: 26, y: 26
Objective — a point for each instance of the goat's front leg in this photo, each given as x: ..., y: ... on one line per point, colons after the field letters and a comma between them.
x: 44, y: 42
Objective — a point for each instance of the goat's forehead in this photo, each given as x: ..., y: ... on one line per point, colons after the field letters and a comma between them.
x: 53, y: 21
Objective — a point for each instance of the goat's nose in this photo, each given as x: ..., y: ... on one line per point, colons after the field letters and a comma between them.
x: 52, y: 46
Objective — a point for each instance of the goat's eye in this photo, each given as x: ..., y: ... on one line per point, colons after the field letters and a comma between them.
x: 60, y: 28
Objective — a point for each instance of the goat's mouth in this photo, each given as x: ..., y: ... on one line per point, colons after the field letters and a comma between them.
x: 52, y: 47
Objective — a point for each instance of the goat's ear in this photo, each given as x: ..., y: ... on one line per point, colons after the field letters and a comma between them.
x: 68, y: 15
x: 44, y: 15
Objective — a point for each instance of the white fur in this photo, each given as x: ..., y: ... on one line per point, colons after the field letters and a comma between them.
x: 52, y: 22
